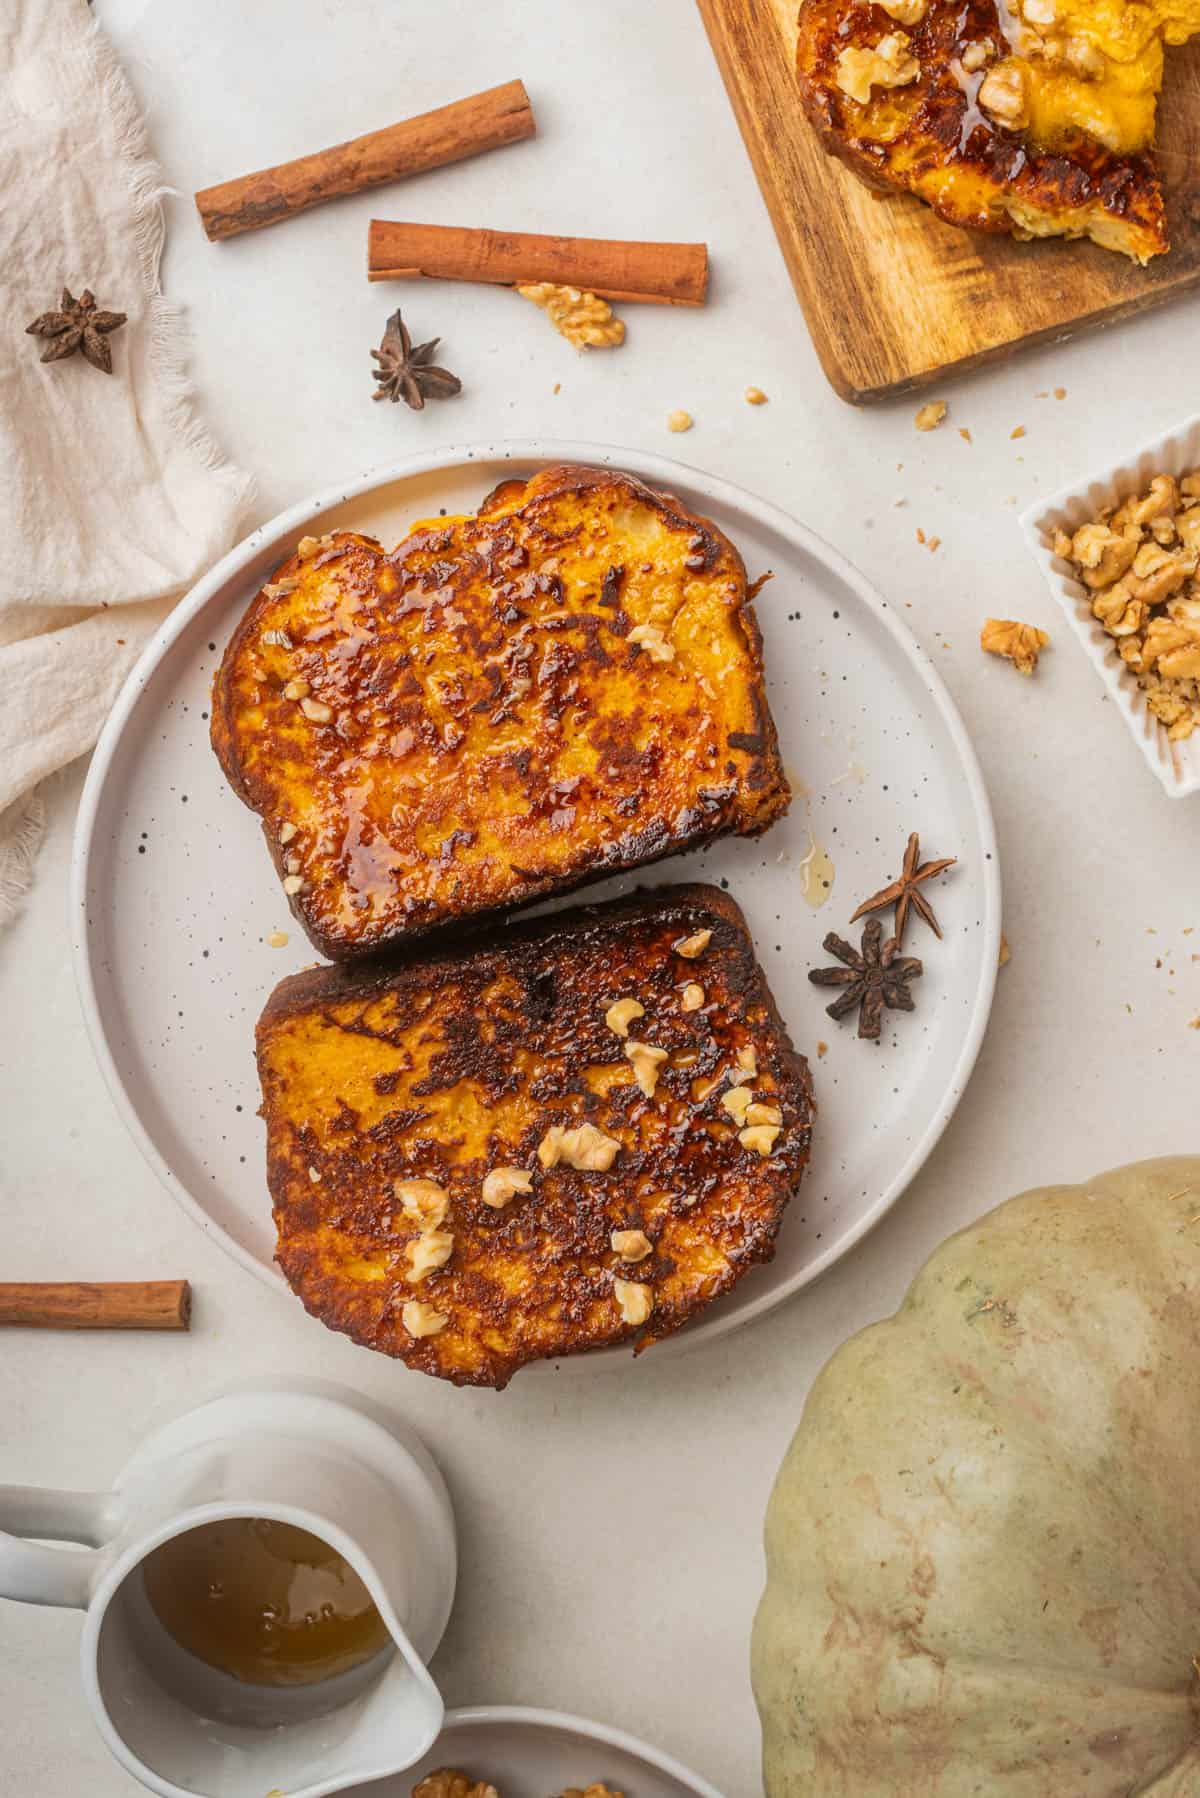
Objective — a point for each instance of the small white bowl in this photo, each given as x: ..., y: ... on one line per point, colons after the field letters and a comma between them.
x: 530, y: 1753
x: 1177, y: 765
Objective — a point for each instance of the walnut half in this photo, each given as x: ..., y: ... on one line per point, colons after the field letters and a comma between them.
x: 1021, y: 643
x: 586, y: 1148
x: 582, y: 318
x: 1004, y: 93
x: 889, y: 64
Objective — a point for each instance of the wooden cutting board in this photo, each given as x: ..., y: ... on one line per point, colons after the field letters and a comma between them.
x: 896, y: 299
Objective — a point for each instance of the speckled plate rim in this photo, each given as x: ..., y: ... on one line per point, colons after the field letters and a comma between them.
x: 521, y: 1716
x: 661, y: 471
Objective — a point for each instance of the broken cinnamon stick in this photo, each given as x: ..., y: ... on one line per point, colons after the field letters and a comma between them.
x: 670, y: 274
x: 88, y: 1305
x: 486, y: 121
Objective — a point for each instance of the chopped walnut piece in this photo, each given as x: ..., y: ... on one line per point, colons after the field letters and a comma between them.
x: 760, y: 1137
x: 621, y: 1014
x: 308, y: 547
x: 582, y: 318
x: 1004, y: 93
x: 747, y: 1060
x: 905, y: 12
x: 1085, y: 58
x: 635, y: 1301
x: 975, y: 55
x: 692, y: 997
x: 428, y: 1252
x: 646, y: 1063
x: 423, y: 1202
x: 296, y: 689
x: 631, y: 1245
x: 449, y: 1783
x: 680, y: 420
x: 317, y: 710
x: 587, y: 1149
x: 1102, y: 555
x: 420, y: 1319
x: 887, y: 65
x: 763, y: 1114
x: 931, y: 415
x: 1172, y: 642
x: 503, y: 1184
x: 737, y: 1102
x: 1141, y: 563
x: 650, y: 638
x: 1157, y: 574
x: 1021, y: 643
x: 1160, y: 500
x: 690, y: 947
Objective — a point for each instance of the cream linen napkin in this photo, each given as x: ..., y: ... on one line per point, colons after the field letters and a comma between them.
x: 112, y: 498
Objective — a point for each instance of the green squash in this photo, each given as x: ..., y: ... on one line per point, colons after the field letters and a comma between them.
x: 983, y: 1547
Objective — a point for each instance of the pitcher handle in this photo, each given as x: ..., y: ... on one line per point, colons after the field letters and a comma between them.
x: 35, y: 1574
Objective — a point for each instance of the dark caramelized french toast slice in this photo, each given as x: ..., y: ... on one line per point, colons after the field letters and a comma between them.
x: 574, y: 1131
x: 942, y: 98
x: 566, y: 685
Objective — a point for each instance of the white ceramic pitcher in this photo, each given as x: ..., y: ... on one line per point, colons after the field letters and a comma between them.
x: 307, y: 1454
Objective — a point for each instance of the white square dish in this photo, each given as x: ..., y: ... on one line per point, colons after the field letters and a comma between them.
x: 1177, y: 764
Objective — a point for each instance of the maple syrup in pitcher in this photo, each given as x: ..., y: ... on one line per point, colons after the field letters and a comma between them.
x: 266, y: 1602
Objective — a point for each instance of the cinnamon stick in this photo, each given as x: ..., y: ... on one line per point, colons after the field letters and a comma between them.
x: 106, y: 1305
x: 671, y: 274
x: 487, y: 121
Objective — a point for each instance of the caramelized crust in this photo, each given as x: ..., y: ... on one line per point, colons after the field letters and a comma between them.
x: 507, y: 705
x: 932, y: 137
x: 445, y: 1069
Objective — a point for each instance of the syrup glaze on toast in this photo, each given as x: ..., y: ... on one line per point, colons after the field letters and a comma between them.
x: 445, y: 1068
x: 565, y: 685
x: 932, y: 137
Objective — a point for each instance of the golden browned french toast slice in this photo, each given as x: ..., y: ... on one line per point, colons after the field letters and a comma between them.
x: 575, y: 1131
x: 567, y: 684
x: 1034, y: 118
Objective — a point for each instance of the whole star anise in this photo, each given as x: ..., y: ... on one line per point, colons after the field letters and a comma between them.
x: 875, y: 978
x: 78, y: 325
x: 904, y: 892
x: 409, y: 374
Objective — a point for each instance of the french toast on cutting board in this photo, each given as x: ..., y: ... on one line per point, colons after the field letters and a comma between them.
x: 895, y: 297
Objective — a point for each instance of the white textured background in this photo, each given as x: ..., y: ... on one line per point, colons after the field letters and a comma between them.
x: 610, y: 1527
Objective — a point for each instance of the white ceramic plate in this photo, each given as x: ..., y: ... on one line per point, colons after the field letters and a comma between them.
x: 532, y: 1754
x: 1177, y: 765
x: 174, y: 895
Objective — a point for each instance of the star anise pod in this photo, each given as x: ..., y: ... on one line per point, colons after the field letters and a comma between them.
x: 903, y: 893
x: 875, y: 978
x: 409, y: 374
x: 78, y: 325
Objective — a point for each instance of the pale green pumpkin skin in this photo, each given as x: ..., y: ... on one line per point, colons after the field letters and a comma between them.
x: 983, y: 1547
